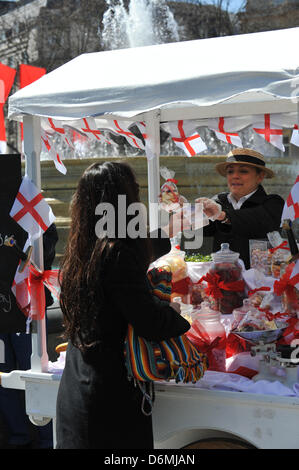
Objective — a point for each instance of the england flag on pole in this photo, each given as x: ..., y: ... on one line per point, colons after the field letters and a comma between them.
x: 291, y: 206
x: 31, y: 211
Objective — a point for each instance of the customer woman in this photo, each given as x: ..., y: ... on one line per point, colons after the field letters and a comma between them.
x: 246, y: 211
x: 103, y: 288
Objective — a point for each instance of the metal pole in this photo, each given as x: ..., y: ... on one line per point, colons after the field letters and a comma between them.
x: 32, y: 148
x: 152, y: 149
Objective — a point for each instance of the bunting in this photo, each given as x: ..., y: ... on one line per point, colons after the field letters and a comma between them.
x: 185, y: 136
x: 232, y: 138
x: 270, y: 132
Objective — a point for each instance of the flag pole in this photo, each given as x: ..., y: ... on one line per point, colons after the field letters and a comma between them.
x: 32, y: 149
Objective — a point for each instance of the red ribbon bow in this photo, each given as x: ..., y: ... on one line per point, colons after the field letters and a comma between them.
x: 215, y: 285
x: 253, y: 291
x: 282, y: 246
x: 285, y: 282
x: 37, y: 279
x: 274, y: 316
x: 172, y: 180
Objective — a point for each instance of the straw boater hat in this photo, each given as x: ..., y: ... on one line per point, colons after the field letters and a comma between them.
x: 247, y: 157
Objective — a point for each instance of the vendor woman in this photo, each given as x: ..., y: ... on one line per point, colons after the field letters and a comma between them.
x: 246, y: 211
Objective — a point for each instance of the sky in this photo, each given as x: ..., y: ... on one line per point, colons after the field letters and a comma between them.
x: 234, y: 5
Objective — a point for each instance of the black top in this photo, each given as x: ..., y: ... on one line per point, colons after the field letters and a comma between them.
x: 258, y: 215
x: 97, y: 406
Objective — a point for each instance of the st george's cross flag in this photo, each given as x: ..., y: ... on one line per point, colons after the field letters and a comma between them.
x: 53, y: 154
x: 291, y: 206
x: 233, y: 138
x: 31, y: 211
x: 270, y: 132
x: 185, y: 136
x: 121, y: 128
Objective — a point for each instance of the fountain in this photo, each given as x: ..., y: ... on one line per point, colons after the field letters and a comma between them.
x: 143, y: 23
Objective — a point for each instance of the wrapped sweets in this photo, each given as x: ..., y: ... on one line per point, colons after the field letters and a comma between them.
x: 255, y: 320
x: 260, y: 256
x: 170, y: 197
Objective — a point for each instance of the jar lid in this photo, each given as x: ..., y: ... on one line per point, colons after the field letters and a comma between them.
x: 225, y: 254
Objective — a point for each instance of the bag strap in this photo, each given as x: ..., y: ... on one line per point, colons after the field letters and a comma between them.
x: 147, y: 390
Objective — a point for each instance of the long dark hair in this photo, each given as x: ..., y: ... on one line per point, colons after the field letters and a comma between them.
x: 81, y: 295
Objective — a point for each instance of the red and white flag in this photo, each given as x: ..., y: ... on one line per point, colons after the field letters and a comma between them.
x: 295, y: 136
x: 121, y: 128
x: 270, y: 132
x: 53, y: 154
x: 20, y: 289
x: 89, y: 128
x: 51, y: 126
x: 291, y: 206
x: 229, y: 137
x: 185, y: 136
x: 31, y: 211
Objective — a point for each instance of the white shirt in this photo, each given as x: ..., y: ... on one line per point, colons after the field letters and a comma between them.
x: 238, y: 204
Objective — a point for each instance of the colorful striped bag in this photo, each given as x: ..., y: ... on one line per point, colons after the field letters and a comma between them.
x: 174, y: 358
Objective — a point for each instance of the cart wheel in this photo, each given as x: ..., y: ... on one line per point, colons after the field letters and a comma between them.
x: 39, y: 420
x: 219, y: 443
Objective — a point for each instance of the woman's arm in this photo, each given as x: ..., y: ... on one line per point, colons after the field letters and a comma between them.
x: 127, y: 286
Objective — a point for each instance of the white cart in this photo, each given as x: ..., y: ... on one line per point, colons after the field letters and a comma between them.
x: 193, y: 80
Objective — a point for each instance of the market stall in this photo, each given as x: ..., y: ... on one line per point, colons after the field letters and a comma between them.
x: 232, y: 81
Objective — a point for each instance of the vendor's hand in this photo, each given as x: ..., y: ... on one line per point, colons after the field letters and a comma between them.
x: 171, y: 206
x: 176, y: 306
x: 212, y: 209
x: 178, y: 222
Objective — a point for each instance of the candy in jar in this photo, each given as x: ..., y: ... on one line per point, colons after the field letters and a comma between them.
x: 178, y: 267
x: 208, y: 335
x: 226, y: 288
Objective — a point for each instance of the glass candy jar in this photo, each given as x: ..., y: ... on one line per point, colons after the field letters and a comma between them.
x: 225, y: 283
x: 208, y: 334
x: 239, y: 313
x: 175, y: 259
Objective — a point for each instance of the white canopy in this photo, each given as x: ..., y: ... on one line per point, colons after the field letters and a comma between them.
x: 225, y: 76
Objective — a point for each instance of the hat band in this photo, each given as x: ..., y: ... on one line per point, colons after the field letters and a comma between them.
x: 247, y: 159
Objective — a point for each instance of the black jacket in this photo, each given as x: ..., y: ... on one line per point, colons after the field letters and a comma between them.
x: 97, y: 406
x: 259, y: 214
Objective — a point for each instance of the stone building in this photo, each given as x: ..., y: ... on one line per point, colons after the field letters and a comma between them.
x: 268, y: 15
